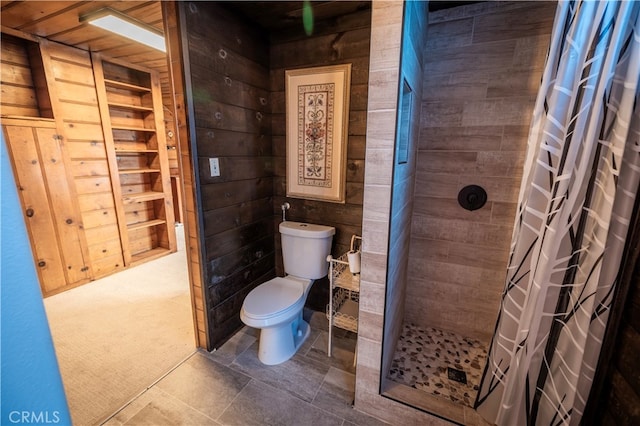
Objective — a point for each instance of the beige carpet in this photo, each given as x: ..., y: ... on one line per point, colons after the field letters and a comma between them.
x: 117, y: 335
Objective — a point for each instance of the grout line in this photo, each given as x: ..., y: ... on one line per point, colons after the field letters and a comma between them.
x: 207, y: 354
x: 148, y: 387
x: 251, y: 379
x: 324, y: 379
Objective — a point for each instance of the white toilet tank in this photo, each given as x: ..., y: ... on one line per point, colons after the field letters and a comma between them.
x: 305, y: 248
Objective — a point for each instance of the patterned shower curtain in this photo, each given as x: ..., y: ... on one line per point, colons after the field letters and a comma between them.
x: 577, y: 196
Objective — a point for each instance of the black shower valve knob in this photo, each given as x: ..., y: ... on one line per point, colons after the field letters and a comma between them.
x: 472, y: 197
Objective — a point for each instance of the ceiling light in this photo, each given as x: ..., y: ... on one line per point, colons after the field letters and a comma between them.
x: 121, y: 24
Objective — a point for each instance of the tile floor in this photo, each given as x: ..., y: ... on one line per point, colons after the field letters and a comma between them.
x: 424, y: 357
x: 231, y: 387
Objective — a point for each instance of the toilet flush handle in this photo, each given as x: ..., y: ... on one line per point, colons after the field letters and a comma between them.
x: 285, y: 206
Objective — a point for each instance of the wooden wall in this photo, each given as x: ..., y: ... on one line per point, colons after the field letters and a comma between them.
x: 228, y: 66
x: 188, y: 179
x: 334, y: 41
x: 20, y: 63
x: 54, y: 225
x: 75, y: 106
x: 236, y: 78
x: 47, y: 81
x: 480, y: 83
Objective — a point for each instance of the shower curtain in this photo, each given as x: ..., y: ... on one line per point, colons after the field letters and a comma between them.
x: 577, y: 195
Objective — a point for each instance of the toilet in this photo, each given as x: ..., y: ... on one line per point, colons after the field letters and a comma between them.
x: 275, y: 307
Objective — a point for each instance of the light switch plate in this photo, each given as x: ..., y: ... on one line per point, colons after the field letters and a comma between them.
x: 214, y: 167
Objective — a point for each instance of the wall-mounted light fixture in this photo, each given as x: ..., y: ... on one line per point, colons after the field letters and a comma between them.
x: 126, y: 26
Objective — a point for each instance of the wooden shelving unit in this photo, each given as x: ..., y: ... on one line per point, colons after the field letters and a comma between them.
x: 131, y: 109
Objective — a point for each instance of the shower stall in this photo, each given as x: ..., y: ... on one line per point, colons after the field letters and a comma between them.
x: 469, y: 79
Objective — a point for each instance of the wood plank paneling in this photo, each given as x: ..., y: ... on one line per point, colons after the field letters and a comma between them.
x: 18, y: 88
x: 75, y: 104
x: 89, y: 149
x: 130, y: 107
x: 22, y: 144
x: 230, y: 84
x: 58, y: 22
x: 344, y: 39
x: 185, y: 153
x: 238, y: 104
x: 63, y: 199
x: 47, y: 174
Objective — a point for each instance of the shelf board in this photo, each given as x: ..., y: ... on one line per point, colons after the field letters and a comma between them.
x: 142, y: 196
x: 132, y: 128
x: 127, y: 86
x: 147, y: 224
x: 28, y: 117
x: 149, y: 255
x: 135, y: 151
x: 134, y: 171
x: 131, y: 107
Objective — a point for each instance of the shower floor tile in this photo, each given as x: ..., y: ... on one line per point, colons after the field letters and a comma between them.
x: 424, y: 357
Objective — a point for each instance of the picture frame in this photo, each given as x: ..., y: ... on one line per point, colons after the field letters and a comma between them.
x: 317, y: 122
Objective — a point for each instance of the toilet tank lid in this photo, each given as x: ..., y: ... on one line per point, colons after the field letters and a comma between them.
x: 306, y: 230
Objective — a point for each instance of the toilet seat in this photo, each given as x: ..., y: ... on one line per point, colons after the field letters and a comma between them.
x: 274, y: 298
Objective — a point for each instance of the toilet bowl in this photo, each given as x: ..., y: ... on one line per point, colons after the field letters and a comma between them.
x: 275, y: 307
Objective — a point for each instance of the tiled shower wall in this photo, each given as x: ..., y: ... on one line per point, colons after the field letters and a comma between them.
x: 415, y: 28
x: 386, y: 43
x: 482, y: 71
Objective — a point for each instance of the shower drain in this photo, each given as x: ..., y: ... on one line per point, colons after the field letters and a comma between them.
x: 457, y: 375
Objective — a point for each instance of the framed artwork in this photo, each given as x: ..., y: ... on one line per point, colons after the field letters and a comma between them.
x: 317, y: 118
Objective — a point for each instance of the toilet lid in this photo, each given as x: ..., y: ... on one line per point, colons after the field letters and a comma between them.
x: 272, y: 297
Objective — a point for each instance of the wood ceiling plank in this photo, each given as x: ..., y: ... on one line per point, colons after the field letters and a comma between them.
x: 150, y: 13
x: 134, y: 53
x: 6, y: 4
x: 56, y: 24
x: 106, y: 41
x: 82, y: 37
x: 98, y: 40
x: 24, y: 13
x: 159, y: 64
